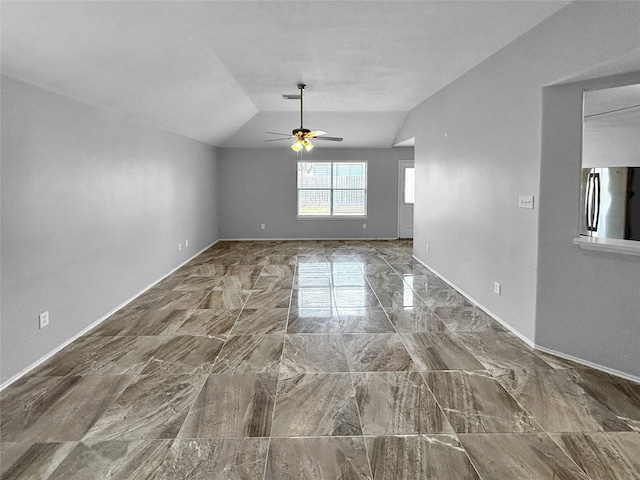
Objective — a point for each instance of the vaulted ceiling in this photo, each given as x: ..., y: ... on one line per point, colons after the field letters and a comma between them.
x: 215, y: 71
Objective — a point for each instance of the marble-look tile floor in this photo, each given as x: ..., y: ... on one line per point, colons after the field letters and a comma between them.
x: 313, y: 360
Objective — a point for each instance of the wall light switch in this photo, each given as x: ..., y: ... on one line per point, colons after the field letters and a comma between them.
x: 525, y: 201
x: 262, y: 226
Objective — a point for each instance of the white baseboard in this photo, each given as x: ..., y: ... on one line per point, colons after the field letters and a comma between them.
x: 532, y: 343
x: 328, y: 239
x: 596, y: 366
x: 480, y: 306
x: 43, y: 359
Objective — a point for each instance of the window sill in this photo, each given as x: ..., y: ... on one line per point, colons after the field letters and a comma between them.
x: 320, y: 217
x: 611, y: 245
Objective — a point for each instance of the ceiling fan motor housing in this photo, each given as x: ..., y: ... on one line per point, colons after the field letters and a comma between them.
x: 300, y: 132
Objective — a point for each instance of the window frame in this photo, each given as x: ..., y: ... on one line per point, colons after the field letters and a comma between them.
x: 332, y: 190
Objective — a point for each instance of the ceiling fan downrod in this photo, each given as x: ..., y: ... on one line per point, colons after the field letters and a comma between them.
x: 301, y: 132
x: 301, y: 87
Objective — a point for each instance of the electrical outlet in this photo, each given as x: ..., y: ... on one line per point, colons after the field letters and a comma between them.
x: 496, y: 288
x: 262, y: 226
x: 364, y: 226
x: 179, y: 247
x: 44, y: 319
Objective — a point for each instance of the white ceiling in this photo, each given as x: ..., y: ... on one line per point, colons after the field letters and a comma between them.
x: 215, y: 71
x: 598, y: 102
x: 617, y: 107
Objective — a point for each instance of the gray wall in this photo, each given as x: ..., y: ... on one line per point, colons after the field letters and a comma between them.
x: 478, y: 146
x: 259, y: 186
x: 615, y: 145
x: 588, y: 302
x: 93, y: 208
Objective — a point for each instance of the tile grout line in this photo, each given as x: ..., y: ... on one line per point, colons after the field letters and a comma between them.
x: 351, y: 375
x: 207, y: 375
x: 420, y: 373
x: 275, y: 395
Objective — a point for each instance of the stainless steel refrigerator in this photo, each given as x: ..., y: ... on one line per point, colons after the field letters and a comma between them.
x: 611, y: 202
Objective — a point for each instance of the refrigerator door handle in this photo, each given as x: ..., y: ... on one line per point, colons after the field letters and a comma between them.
x: 593, y: 201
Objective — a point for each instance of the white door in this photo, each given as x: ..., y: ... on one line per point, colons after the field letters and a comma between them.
x: 406, y: 188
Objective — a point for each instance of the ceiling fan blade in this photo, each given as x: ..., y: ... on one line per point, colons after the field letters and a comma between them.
x: 274, y: 133
x: 316, y: 133
x: 276, y: 139
x: 331, y: 139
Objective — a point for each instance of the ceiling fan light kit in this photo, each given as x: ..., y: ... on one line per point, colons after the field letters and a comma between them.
x: 302, y: 135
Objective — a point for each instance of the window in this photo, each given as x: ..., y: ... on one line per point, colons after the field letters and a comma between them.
x: 332, y: 189
x: 409, y: 185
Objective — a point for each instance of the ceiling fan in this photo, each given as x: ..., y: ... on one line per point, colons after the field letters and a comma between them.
x: 302, y: 135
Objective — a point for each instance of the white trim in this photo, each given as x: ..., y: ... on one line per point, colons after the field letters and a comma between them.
x: 330, y: 217
x: 610, y: 371
x: 611, y: 245
x: 302, y: 239
x: 532, y: 344
x: 482, y: 307
x: 96, y: 323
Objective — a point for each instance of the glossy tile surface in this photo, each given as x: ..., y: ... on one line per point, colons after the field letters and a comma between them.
x: 439, y: 351
x: 397, y: 403
x: 313, y: 359
x: 521, y: 456
x: 330, y: 458
x: 474, y: 402
x: 316, y: 404
x: 419, y: 456
x: 57, y: 408
x: 153, y: 406
x: 377, y: 352
x: 309, y: 353
x: 113, y: 459
x: 558, y: 402
x: 250, y: 354
x: 31, y: 460
x: 204, y: 459
x: 500, y: 350
x: 603, y: 455
x: 238, y: 405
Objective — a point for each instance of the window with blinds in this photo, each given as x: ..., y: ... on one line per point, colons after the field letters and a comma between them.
x: 332, y: 189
